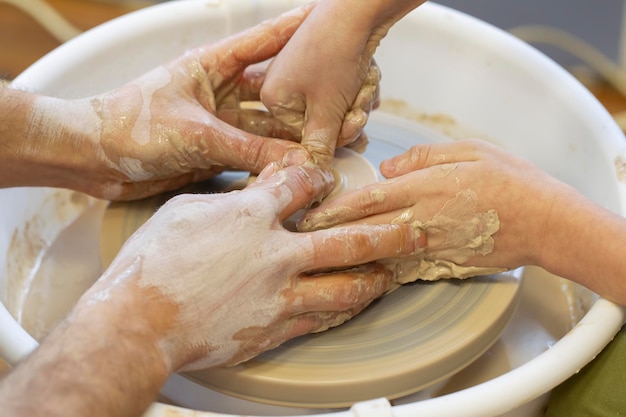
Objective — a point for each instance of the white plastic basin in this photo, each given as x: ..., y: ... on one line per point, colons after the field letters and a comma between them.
x: 440, y: 68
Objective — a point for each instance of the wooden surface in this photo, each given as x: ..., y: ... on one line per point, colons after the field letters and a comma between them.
x: 23, y: 40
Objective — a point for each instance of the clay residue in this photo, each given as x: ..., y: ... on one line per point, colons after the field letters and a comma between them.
x: 445, y: 169
x: 42, y: 259
x: 620, y: 167
x: 457, y: 233
x: 420, y: 268
x: 439, y: 122
x: 23, y: 254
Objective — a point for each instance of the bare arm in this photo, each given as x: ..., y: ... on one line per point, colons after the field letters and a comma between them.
x: 104, y: 360
x: 323, y: 82
x: 209, y: 280
x: 178, y: 123
x: 543, y: 221
x: 42, y: 139
x: 586, y: 243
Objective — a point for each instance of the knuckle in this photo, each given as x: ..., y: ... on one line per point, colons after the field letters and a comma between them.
x: 370, y: 202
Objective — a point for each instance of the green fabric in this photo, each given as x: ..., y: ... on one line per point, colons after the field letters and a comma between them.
x: 598, y: 390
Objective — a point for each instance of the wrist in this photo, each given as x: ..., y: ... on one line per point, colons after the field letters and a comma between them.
x: 103, y: 360
x: 149, y: 319
x: 380, y: 13
x: 43, y: 139
x: 573, y: 226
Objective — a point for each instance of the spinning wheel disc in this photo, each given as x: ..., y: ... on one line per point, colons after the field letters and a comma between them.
x: 410, y: 339
x: 418, y: 335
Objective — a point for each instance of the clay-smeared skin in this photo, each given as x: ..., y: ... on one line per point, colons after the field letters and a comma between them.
x: 209, y: 280
x: 233, y: 246
x: 293, y: 114
x: 542, y: 221
x: 180, y: 122
x: 324, y: 82
x: 620, y: 167
x: 457, y: 233
x: 172, y: 114
x: 436, y: 189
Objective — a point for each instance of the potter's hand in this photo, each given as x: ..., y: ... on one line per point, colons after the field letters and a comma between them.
x: 543, y: 221
x: 178, y: 123
x: 227, y: 281
x: 324, y: 83
x: 185, y: 118
x: 209, y: 280
x: 457, y: 192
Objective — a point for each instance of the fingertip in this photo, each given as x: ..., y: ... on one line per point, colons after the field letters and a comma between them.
x: 352, y: 127
x: 360, y: 143
x: 388, y: 168
x: 417, y: 157
x: 321, y: 142
x: 376, y: 103
x: 307, y: 184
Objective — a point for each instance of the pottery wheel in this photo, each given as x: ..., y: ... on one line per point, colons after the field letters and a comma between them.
x: 419, y: 335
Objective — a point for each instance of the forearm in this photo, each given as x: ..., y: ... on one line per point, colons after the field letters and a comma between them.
x: 390, y: 10
x: 352, y: 22
x: 373, y: 13
x: 586, y: 243
x: 314, y: 97
x: 42, y: 139
x: 104, y: 360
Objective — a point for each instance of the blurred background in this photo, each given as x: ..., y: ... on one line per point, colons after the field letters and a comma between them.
x: 587, y: 37
x: 597, y: 22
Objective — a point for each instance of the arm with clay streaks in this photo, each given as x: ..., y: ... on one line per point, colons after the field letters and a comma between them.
x: 324, y: 83
x: 181, y: 122
x: 210, y: 280
x: 541, y: 220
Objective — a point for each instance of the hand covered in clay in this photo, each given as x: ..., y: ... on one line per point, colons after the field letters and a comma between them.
x: 478, y: 205
x: 220, y: 279
x: 180, y: 122
x: 324, y: 83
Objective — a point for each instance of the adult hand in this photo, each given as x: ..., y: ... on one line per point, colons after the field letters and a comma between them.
x: 180, y: 122
x: 220, y: 280
x: 187, y: 114
x: 209, y: 280
x: 324, y: 83
x: 543, y: 221
x: 452, y: 188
